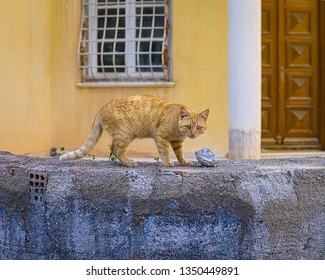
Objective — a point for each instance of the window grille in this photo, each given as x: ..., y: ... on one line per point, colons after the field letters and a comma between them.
x: 124, y: 41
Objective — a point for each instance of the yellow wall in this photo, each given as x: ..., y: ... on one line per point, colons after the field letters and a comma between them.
x: 25, y: 121
x: 41, y: 106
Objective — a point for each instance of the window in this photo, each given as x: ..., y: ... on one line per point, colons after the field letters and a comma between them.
x: 125, y: 41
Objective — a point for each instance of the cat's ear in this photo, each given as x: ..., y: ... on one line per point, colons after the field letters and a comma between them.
x: 205, y: 114
x: 184, y: 113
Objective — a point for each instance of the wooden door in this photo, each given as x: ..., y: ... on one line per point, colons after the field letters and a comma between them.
x: 290, y: 74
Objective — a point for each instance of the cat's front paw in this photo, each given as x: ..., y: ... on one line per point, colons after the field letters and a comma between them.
x: 130, y: 163
x: 168, y: 164
x: 186, y: 163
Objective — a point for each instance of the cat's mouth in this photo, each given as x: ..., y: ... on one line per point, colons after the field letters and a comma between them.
x: 192, y: 136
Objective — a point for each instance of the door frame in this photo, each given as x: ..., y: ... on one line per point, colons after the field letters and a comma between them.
x: 322, y: 72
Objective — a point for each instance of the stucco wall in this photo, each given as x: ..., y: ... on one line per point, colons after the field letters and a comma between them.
x: 86, y: 209
x: 41, y: 106
x: 25, y: 97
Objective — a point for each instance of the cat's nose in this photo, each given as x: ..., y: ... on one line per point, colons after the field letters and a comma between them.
x: 193, y: 133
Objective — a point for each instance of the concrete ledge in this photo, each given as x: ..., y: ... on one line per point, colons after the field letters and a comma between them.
x: 86, y: 209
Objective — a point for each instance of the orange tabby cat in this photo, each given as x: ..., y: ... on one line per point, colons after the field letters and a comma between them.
x: 144, y: 117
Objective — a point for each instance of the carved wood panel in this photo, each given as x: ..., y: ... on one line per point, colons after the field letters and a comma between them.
x: 290, y: 73
x: 269, y: 70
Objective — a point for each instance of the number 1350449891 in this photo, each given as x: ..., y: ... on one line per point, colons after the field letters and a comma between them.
x: 218, y: 270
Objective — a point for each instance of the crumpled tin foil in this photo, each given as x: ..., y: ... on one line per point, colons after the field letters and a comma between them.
x: 206, y: 157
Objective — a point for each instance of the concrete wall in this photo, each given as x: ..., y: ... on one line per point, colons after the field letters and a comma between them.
x: 41, y: 106
x: 267, y: 209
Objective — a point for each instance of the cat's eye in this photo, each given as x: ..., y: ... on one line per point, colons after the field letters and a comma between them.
x: 199, y: 127
x: 188, y: 126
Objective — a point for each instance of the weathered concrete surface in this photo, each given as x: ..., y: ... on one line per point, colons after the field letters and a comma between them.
x: 266, y: 209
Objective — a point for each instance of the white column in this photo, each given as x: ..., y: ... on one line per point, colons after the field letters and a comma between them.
x: 244, y: 79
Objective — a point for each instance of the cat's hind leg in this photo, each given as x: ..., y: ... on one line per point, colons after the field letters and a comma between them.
x: 118, y: 148
x: 163, y: 149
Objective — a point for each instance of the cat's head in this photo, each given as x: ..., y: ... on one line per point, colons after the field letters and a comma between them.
x: 192, y: 124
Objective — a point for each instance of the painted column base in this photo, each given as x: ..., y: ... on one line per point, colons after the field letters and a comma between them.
x: 244, y: 144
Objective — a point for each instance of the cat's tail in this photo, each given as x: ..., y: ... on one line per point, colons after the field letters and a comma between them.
x: 96, y: 132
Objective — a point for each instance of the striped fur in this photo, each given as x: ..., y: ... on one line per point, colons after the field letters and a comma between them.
x: 93, y: 138
x: 144, y: 117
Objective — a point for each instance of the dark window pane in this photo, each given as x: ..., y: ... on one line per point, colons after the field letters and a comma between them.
x: 145, y: 33
x: 120, y: 47
x: 108, y: 61
x: 156, y: 59
x: 121, y: 33
x: 144, y: 47
x: 159, y: 10
x: 147, y: 21
x: 159, y: 21
x: 143, y: 61
x: 158, y: 33
x: 156, y: 46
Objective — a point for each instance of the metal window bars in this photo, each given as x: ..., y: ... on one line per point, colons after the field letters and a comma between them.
x: 124, y: 41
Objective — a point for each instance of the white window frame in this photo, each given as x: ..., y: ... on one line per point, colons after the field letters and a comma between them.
x: 89, y: 55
